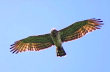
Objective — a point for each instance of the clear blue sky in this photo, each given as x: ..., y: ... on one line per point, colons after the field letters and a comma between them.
x: 22, y: 18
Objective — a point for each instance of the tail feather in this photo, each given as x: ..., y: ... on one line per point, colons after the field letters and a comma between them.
x: 60, y: 52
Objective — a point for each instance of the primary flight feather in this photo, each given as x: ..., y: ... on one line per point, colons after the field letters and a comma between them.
x: 72, y: 32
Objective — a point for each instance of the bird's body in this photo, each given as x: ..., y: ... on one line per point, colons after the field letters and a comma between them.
x: 56, y: 37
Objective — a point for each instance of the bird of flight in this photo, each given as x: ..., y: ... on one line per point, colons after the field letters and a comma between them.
x: 56, y: 37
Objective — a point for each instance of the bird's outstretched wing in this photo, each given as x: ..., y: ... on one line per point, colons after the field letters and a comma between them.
x: 32, y: 43
x: 79, y: 29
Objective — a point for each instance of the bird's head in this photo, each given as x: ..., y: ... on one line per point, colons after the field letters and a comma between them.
x: 54, y: 32
x: 53, y: 29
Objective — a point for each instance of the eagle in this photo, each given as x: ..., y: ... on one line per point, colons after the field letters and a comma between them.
x: 56, y: 37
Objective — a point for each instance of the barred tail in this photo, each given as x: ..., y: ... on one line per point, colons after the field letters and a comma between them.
x: 60, y: 52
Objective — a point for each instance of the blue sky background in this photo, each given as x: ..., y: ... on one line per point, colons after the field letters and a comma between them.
x: 22, y: 18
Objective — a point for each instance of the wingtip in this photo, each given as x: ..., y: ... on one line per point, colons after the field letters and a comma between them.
x: 12, y: 44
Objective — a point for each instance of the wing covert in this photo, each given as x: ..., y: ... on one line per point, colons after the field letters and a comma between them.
x: 32, y: 43
x: 79, y: 29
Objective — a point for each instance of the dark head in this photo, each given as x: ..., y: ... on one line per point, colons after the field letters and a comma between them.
x: 54, y: 32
